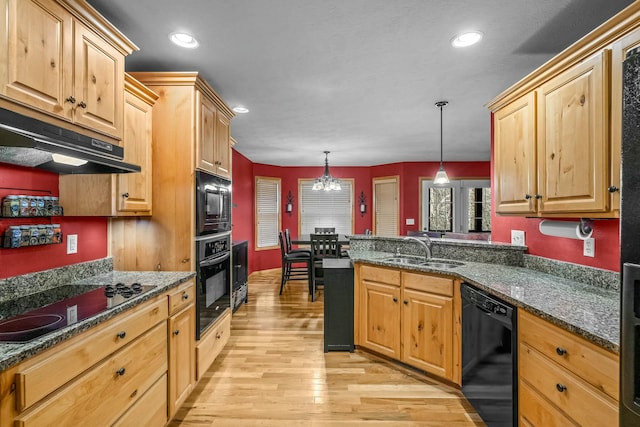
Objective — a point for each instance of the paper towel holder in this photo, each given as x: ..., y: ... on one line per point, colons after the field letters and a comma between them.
x: 586, y: 226
x: 581, y: 230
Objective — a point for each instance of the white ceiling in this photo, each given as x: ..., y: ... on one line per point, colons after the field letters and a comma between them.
x: 357, y: 77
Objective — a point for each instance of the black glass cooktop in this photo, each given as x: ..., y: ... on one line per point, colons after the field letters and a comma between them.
x: 32, y: 316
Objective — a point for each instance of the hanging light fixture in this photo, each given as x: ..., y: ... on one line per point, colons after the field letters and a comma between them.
x: 326, y: 182
x: 441, y: 176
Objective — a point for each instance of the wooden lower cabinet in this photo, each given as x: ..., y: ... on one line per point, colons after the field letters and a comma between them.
x: 212, y: 343
x: 564, y: 379
x: 134, y: 369
x: 409, y: 317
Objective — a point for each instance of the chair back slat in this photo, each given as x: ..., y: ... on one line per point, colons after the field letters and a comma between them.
x: 324, y: 245
x: 283, y: 247
x: 325, y: 230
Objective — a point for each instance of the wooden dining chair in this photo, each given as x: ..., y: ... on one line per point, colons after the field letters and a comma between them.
x: 322, y: 246
x: 295, y: 266
x: 287, y: 238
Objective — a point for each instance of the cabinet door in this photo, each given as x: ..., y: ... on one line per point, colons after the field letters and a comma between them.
x: 223, y: 146
x: 380, y: 322
x: 515, y: 156
x: 37, y: 50
x: 181, y: 357
x: 133, y: 191
x: 98, y: 83
x: 573, y: 152
x: 206, y: 133
x: 427, y: 332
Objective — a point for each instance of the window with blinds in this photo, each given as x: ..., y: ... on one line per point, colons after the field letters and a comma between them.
x: 326, y: 208
x: 267, y: 212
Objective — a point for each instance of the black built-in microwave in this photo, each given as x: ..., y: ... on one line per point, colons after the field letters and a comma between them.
x: 213, y: 204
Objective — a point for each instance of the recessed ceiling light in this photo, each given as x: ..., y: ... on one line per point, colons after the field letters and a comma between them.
x: 466, y: 39
x: 240, y: 109
x: 184, y: 40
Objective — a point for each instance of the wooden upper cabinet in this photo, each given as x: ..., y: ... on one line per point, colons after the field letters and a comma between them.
x: 573, y: 148
x: 56, y: 61
x: 98, y: 83
x: 36, y: 54
x: 206, y: 133
x: 515, y: 156
x: 223, y: 146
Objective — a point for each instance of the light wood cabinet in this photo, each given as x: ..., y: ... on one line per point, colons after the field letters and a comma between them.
x: 181, y: 342
x: 93, y: 378
x: 409, y: 317
x: 64, y: 60
x: 119, y: 195
x: 150, y: 410
x: 561, y: 373
x: 515, y: 156
x: 213, y: 142
x: 223, y: 146
x: 212, y: 343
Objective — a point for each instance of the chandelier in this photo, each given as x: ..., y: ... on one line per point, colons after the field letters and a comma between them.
x: 441, y: 177
x: 326, y: 182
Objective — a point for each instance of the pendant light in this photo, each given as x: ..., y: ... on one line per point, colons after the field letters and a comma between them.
x: 326, y: 182
x: 441, y: 177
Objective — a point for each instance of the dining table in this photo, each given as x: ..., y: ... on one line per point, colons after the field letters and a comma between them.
x: 305, y: 239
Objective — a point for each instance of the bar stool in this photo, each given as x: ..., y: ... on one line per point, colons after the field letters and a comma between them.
x: 291, y: 268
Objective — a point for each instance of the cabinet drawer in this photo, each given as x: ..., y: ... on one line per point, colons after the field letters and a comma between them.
x: 593, y: 364
x: 212, y: 344
x: 150, y: 409
x: 57, y: 367
x: 535, y: 411
x: 99, y: 396
x: 584, y: 404
x: 181, y: 296
x: 426, y: 283
x: 380, y: 275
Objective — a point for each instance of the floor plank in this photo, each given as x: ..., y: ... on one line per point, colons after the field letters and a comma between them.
x: 273, y: 372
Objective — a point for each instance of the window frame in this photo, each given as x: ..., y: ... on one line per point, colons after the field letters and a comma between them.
x: 350, y: 181
x: 278, y: 214
x: 460, y: 201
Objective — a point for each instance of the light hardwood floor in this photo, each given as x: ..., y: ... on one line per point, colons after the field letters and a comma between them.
x: 273, y: 372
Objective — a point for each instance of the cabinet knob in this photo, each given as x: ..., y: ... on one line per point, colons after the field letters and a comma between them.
x: 538, y: 196
x: 395, y: 299
x: 561, y: 351
x: 185, y: 296
x: 82, y: 104
x: 122, y: 334
x: 120, y: 371
x: 186, y: 260
x: 561, y: 388
x: 406, y: 302
x: 125, y: 195
x: 218, y: 335
x: 176, y: 332
x: 613, y: 189
x: 527, y: 196
x: 71, y: 100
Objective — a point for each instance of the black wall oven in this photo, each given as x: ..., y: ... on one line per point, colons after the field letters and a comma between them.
x: 213, y: 297
x: 213, y: 204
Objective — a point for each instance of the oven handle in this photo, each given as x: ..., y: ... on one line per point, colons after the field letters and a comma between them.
x: 215, y: 260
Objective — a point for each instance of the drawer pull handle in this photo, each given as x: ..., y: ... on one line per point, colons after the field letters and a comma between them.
x: 561, y: 351
x: 185, y: 296
x: 176, y: 332
x: 122, y: 334
x: 134, y: 393
x: 120, y: 371
x: 561, y: 388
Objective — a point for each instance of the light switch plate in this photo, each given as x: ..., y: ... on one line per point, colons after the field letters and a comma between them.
x: 410, y: 221
x: 589, y: 248
x: 517, y: 237
x: 72, y: 244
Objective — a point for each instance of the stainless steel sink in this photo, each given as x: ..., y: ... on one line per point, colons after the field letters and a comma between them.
x: 434, y: 263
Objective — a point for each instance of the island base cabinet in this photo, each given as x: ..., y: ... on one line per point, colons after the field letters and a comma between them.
x: 150, y: 410
x: 91, y: 398
x: 381, y: 315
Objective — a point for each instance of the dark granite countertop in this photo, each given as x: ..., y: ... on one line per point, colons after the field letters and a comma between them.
x: 584, y: 309
x: 13, y: 353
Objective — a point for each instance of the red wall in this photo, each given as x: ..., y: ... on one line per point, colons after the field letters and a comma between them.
x: 92, y: 232
x: 605, y: 232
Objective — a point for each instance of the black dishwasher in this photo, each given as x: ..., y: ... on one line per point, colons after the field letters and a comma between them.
x: 489, y: 357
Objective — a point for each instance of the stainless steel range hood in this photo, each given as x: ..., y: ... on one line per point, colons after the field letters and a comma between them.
x: 25, y: 141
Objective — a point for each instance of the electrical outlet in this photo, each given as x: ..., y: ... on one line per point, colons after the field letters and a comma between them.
x: 72, y: 314
x: 517, y: 237
x: 72, y: 244
x: 589, y: 248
